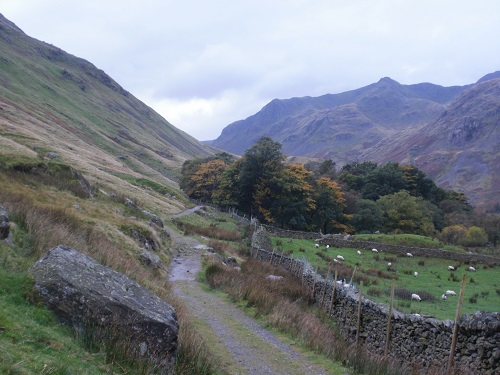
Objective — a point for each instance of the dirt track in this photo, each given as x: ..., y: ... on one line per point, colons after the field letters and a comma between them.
x: 243, y: 345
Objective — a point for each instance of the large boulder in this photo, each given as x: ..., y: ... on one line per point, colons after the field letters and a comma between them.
x: 108, y: 305
x: 4, y: 223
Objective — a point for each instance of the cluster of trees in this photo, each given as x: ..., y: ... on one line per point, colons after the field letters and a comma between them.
x: 361, y: 197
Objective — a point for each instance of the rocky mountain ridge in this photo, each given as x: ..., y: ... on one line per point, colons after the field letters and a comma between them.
x: 387, y: 121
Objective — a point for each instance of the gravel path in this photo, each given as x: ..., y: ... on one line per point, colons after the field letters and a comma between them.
x: 248, y: 348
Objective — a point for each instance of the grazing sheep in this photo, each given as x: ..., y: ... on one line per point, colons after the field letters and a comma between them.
x: 340, y: 257
x: 375, y: 250
x: 416, y: 297
x: 389, y: 264
x: 316, y: 245
x: 471, y: 268
x: 450, y: 293
x: 443, y: 297
x: 274, y: 277
x: 409, y: 255
x: 327, y: 246
x: 451, y: 268
x: 415, y: 273
x: 359, y: 252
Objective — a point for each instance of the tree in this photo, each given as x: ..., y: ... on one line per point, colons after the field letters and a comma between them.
x: 286, y: 199
x: 227, y: 194
x: 261, y: 163
x: 476, y: 237
x: 329, y: 200
x: 384, y: 180
x: 367, y: 217
x: 453, y: 234
x: 205, y: 180
x: 403, y: 212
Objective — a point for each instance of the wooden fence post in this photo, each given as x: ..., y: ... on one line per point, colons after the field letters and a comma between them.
x: 388, y: 337
x: 359, y: 311
x: 324, y: 288
x: 455, y: 327
x: 313, y: 295
x: 333, y: 291
x: 281, y: 259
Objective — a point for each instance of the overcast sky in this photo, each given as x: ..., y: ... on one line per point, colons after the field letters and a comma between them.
x: 205, y: 64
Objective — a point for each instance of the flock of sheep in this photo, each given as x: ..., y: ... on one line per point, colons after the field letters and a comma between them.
x: 414, y: 296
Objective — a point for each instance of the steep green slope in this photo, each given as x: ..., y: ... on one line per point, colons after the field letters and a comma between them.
x: 51, y: 101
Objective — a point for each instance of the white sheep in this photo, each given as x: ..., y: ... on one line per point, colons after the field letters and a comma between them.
x: 340, y: 257
x: 409, y: 255
x: 359, y: 252
x: 415, y: 273
x: 389, y: 264
x: 472, y: 268
x: 274, y: 277
x: 451, y: 268
x: 327, y: 246
x: 416, y: 297
x: 443, y: 297
x: 375, y: 250
x: 336, y: 261
x: 316, y: 245
x: 450, y: 293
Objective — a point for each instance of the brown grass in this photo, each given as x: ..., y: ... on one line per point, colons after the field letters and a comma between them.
x: 212, y: 232
x: 40, y: 214
x: 286, y: 305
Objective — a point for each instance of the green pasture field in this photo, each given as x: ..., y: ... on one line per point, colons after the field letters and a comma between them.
x: 482, y: 290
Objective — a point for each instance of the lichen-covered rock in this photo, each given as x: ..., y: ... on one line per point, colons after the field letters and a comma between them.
x: 150, y: 259
x: 108, y: 304
x: 154, y: 219
x: 4, y: 223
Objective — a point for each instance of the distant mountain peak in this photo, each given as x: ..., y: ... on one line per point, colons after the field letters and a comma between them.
x: 420, y: 123
x: 388, y: 80
x: 487, y: 77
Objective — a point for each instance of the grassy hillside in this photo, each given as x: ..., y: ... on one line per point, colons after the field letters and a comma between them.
x: 56, y: 106
x: 81, y: 159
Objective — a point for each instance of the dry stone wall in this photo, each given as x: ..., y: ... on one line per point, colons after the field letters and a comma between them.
x: 339, y: 241
x: 423, y: 340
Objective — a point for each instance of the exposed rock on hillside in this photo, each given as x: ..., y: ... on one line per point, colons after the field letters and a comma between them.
x: 4, y: 223
x: 99, y: 301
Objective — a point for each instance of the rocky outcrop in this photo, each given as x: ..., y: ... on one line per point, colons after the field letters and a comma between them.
x: 153, y: 218
x: 107, y: 305
x: 151, y: 260
x: 4, y: 223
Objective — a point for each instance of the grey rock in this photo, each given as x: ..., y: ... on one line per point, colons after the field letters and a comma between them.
x: 150, y: 259
x: 4, y: 223
x: 102, y: 302
x: 230, y: 261
x: 154, y: 219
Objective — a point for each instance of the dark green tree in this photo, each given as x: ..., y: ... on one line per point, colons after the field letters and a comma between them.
x: 260, y: 165
x: 367, y: 216
x: 384, y: 180
x: 405, y: 213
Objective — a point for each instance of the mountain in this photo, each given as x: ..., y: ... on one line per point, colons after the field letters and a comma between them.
x: 461, y: 149
x: 377, y: 123
x: 53, y: 102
